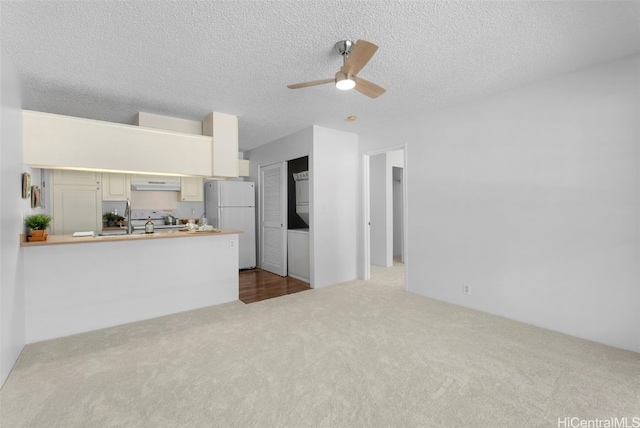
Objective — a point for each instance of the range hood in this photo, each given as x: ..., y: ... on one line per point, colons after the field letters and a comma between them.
x: 165, y: 186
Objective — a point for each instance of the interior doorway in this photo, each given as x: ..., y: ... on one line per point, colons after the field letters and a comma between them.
x: 385, y: 213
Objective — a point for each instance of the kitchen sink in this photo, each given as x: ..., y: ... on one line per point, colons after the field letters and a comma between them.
x: 114, y: 233
x: 120, y: 233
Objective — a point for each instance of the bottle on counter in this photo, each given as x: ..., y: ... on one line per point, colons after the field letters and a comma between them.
x: 148, y: 227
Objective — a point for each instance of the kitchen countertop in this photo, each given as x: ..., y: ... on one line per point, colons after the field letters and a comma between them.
x: 164, y: 234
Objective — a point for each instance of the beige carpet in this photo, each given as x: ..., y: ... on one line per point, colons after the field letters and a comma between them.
x: 350, y: 355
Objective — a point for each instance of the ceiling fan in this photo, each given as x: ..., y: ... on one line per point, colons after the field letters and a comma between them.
x: 355, y: 56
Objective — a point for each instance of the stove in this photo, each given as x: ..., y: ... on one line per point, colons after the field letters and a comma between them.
x: 139, y: 219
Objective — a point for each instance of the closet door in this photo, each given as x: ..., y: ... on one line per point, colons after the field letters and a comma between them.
x: 273, y: 236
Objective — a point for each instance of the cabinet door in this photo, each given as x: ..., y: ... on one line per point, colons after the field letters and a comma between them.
x: 76, y: 208
x: 243, y: 168
x: 298, y: 255
x: 87, y: 178
x: 191, y: 189
x: 116, y: 187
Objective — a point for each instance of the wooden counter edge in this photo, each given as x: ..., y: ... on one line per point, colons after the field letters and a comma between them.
x: 69, y: 239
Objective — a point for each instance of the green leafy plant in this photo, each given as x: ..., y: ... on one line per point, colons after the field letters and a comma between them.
x: 38, y: 221
x: 111, y: 217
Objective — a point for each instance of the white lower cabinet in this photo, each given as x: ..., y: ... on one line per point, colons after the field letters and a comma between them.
x: 299, y: 254
x: 191, y: 189
x: 75, y: 207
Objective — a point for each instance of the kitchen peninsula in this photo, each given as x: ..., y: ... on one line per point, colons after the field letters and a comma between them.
x: 75, y: 285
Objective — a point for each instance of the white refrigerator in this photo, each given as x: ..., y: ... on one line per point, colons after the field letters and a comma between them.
x: 231, y: 205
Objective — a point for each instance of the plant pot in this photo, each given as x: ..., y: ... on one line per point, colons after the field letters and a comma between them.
x: 37, y: 235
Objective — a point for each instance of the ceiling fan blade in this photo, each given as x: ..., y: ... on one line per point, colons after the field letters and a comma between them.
x: 314, y: 83
x: 369, y: 89
x: 359, y: 56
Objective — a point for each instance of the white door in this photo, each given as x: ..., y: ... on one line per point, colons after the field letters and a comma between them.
x: 273, y: 247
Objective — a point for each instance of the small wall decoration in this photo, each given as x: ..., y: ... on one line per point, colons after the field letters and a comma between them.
x: 26, y: 185
x: 35, y: 196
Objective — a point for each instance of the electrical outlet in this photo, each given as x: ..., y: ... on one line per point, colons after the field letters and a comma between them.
x: 231, y: 243
x: 466, y: 289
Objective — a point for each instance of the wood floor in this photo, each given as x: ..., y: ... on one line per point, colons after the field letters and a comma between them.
x: 257, y: 285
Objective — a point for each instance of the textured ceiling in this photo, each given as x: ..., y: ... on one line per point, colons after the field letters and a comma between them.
x: 110, y: 59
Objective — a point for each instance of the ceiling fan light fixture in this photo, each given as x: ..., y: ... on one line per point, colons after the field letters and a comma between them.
x: 354, y: 57
x: 345, y: 81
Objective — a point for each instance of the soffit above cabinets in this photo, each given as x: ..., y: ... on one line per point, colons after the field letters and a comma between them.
x: 65, y: 142
x: 169, y: 123
x: 222, y: 127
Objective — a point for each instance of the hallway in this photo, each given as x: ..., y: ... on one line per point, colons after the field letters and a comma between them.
x: 257, y: 284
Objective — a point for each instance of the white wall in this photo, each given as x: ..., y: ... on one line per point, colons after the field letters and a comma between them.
x: 333, y: 206
x: 532, y: 198
x: 61, y: 301
x: 12, y: 306
x: 290, y: 147
x: 395, y: 158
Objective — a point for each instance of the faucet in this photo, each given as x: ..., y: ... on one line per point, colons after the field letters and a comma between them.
x: 127, y: 214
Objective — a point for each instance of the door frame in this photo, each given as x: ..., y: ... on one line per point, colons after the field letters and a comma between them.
x: 366, y: 210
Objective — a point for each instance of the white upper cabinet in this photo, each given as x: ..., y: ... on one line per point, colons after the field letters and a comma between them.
x: 243, y: 168
x: 224, y: 130
x: 191, y: 189
x: 56, y: 141
x: 86, y: 178
x: 116, y: 187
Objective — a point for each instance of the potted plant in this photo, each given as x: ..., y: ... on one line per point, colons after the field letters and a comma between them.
x: 37, y: 224
x: 111, y: 219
